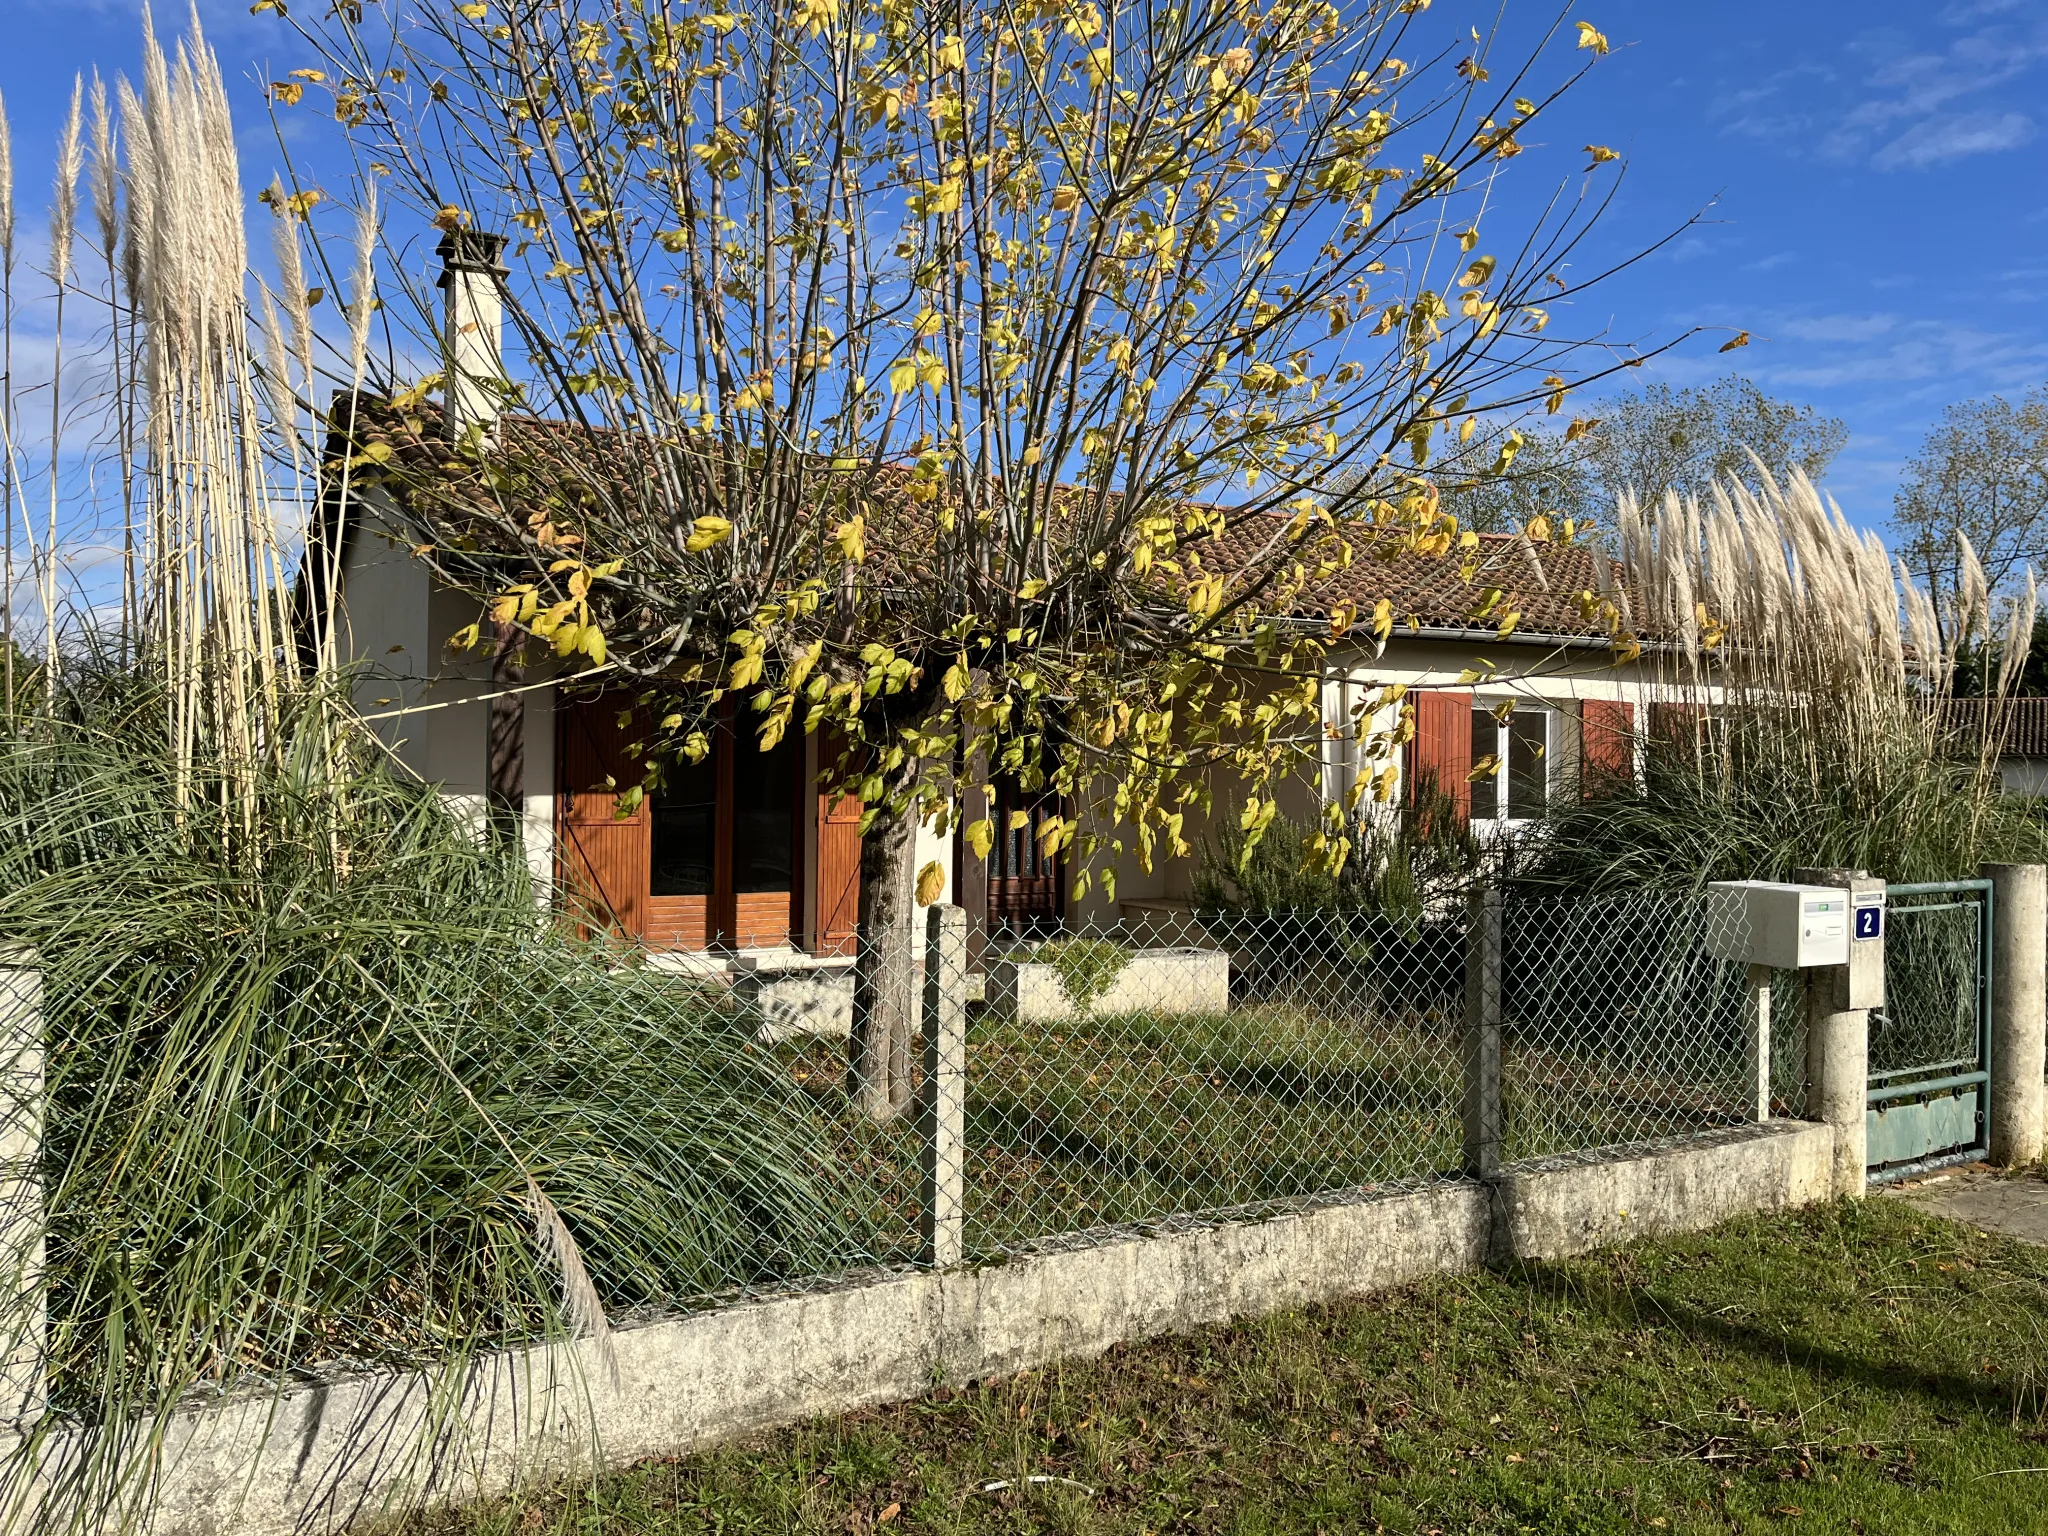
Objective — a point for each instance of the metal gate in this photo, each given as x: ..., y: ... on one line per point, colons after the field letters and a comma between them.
x: 1929, y: 1101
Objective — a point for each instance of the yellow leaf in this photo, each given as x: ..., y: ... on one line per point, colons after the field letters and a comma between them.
x: 981, y: 836
x: 1554, y: 401
x: 1477, y: 273
x: 1740, y: 339
x: 852, y: 538
x: 1101, y: 67
x: 1590, y: 38
x: 473, y: 12
x: 1580, y: 426
x: 1601, y: 155
x: 591, y: 643
x: 902, y: 376
x: 706, y: 532
x: 931, y: 883
x: 465, y: 638
x: 451, y: 218
x: 1064, y: 197
x: 957, y: 681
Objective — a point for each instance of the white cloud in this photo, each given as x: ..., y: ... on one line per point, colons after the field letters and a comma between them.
x: 1974, y: 133
x: 1850, y: 328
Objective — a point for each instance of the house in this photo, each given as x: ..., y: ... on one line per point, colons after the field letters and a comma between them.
x: 744, y: 858
x: 2021, y: 729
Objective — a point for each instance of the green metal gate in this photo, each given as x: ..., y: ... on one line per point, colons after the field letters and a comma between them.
x: 1930, y: 1045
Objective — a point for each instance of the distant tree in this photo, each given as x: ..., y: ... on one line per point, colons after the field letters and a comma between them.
x: 1649, y: 441
x: 1659, y: 439
x: 1546, y: 476
x: 1981, y: 472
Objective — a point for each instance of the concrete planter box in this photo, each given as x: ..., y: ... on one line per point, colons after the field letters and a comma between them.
x: 1152, y: 981
x: 808, y: 997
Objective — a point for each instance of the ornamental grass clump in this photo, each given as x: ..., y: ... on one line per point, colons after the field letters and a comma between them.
x: 361, y: 1104
x: 1806, y: 679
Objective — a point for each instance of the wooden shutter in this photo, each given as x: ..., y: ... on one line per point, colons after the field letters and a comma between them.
x: 601, y: 857
x: 1607, y: 743
x: 1439, y: 756
x: 838, y: 868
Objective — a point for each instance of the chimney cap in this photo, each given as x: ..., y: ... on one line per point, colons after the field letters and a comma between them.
x: 470, y: 250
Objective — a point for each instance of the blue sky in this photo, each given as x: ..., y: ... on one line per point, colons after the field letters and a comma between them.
x: 1868, y: 178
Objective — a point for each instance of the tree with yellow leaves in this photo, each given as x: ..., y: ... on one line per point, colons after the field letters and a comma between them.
x: 991, y: 381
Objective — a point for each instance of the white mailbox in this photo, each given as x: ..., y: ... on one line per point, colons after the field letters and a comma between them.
x: 1790, y: 927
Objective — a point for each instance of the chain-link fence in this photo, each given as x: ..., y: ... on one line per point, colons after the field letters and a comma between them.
x: 1219, y: 1065
x: 366, y: 1158
x: 1618, y: 1024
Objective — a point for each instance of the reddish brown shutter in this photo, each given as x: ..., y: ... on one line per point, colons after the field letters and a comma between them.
x: 601, y: 857
x: 1440, y: 754
x: 838, y: 859
x: 1607, y: 742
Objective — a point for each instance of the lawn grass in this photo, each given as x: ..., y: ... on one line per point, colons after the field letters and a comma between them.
x: 1855, y: 1368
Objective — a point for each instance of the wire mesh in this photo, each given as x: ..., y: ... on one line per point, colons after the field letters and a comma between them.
x: 377, y: 1160
x: 1933, y: 971
x: 1619, y: 1025
x: 364, y: 1157
x: 1213, y: 1066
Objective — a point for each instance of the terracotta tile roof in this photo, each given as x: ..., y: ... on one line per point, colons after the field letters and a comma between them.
x: 1432, y: 591
x: 561, y: 462
x: 2022, y: 724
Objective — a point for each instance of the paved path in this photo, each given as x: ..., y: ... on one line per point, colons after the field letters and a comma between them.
x: 2015, y: 1205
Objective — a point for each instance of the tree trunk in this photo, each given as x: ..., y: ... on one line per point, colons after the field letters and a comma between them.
x: 885, y: 972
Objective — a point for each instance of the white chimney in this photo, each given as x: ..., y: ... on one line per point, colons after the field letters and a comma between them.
x: 473, y: 342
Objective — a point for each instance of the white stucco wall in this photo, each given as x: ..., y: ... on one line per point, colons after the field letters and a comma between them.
x: 428, y: 705
x: 2024, y: 775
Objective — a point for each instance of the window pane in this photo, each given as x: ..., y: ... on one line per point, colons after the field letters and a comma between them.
x: 686, y: 829
x: 1486, y: 784
x: 764, y: 815
x: 1528, y: 762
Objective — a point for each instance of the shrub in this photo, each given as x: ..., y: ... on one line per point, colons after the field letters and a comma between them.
x: 1087, y: 968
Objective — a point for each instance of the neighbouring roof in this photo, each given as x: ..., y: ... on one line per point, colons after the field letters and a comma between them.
x: 2021, y: 724
x: 1547, y: 590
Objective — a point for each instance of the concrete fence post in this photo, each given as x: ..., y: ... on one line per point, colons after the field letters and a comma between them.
x: 1838, y: 1039
x: 1484, y: 945
x: 2019, y: 1008
x: 25, y: 1324
x: 942, y: 1099
x: 1757, y: 1028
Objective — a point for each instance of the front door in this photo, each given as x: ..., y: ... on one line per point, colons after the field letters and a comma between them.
x: 1025, y: 885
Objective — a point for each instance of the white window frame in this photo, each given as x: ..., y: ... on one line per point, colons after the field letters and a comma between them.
x: 1497, y: 783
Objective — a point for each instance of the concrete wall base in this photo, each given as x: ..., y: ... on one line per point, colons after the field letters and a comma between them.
x: 320, y: 1458
x: 1555, y: 1207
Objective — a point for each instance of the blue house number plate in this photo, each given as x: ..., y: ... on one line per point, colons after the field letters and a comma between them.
x: 1870, y: 921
